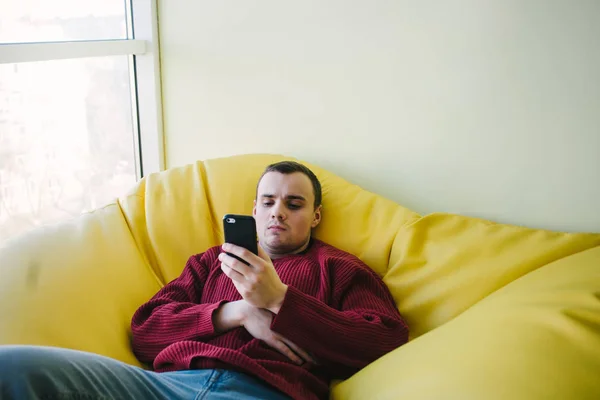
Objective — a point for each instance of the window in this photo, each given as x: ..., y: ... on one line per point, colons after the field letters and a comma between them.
x: 62, y: 20
x: 80, y: 112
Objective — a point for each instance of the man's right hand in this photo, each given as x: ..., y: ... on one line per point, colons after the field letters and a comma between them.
x: 257, y: 322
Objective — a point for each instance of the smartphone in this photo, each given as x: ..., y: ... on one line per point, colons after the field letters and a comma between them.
x: 241, y: 231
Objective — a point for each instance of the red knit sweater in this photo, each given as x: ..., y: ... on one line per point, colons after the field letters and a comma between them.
x: 336, y: 308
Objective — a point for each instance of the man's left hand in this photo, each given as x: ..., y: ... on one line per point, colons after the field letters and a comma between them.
x: 258, y: 282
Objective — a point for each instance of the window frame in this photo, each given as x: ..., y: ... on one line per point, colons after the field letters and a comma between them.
x: 142, y: 47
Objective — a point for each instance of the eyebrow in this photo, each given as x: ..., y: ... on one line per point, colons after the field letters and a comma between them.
x: 288, y: 197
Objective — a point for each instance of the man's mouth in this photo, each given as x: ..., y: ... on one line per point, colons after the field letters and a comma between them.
x: 277, y: 228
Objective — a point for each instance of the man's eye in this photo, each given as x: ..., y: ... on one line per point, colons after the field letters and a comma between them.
x: 294, y: 206
x: 268, y: 204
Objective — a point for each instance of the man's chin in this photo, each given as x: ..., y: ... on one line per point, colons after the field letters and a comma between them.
x: 278, y: 246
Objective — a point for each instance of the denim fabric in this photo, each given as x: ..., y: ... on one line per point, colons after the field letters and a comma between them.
x: 34, y: 372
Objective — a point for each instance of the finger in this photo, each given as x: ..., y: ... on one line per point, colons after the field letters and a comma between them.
x: 297, y: 350
x: 235, y: 265
x: 233, y: 274
x: 243, y: 253
x: 285, y: 350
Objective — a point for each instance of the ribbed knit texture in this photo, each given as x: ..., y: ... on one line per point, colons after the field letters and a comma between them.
x: 336, y: 308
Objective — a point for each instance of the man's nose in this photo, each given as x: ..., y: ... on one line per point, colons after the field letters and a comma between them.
x: 278, y: 211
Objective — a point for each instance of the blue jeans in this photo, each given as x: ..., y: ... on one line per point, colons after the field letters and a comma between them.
x: 32, y: 372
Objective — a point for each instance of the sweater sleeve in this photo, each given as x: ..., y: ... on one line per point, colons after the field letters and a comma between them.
x: 175, y: 312
x: 366, y: 326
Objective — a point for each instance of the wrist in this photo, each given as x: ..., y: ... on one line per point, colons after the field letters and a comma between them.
x: 279, y: 301
x: 238, y: 312
x: 229, y: 316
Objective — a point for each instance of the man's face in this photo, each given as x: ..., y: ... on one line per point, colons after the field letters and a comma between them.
x: 284, y: 212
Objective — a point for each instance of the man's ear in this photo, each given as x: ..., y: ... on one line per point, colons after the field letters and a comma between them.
x: 254, y: 208
x: 316, y: 217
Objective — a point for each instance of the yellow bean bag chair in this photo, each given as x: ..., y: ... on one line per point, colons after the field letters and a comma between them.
x: 496, y: 311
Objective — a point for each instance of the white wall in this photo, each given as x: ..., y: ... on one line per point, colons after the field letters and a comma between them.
x: 484, y: 108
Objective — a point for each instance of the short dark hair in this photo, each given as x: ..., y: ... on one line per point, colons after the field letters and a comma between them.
x: 290, y: 167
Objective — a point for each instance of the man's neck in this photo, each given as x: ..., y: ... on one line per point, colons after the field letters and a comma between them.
x: 299, y: 250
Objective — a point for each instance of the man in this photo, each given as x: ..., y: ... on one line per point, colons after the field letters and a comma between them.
x: 283, y: 325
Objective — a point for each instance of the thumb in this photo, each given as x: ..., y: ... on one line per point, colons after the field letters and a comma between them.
x: 263, y: 254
